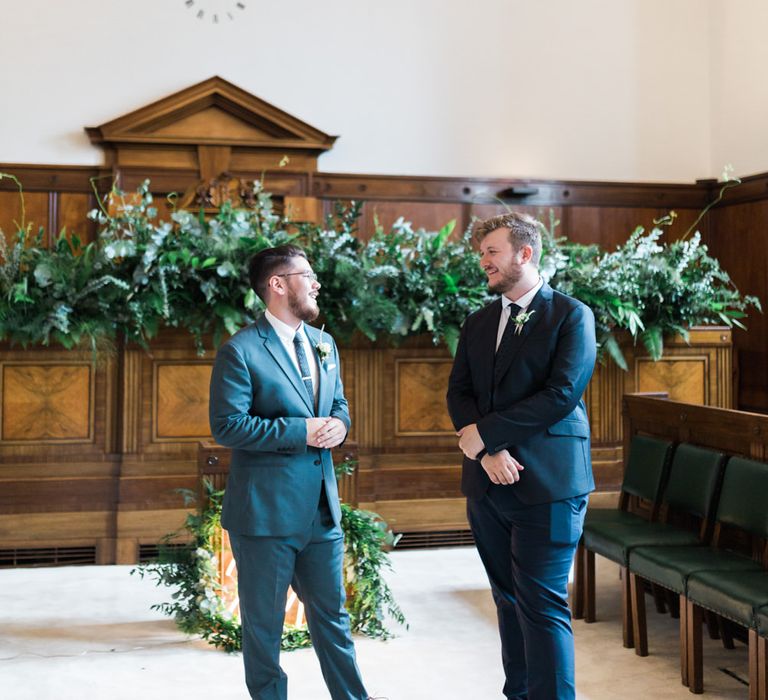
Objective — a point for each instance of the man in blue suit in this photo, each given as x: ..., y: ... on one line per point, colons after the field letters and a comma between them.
x: 515, y: 398
x: 277, y: 400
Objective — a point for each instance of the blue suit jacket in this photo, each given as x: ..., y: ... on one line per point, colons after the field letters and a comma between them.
x: 258, y: 407
x: 532, y: 405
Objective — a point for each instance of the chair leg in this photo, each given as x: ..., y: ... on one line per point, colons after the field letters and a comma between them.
x: 589, y: 586
x: 683, y: 640
x: 659, y: 598
x: 762, y: 668
x: 627, y: 624
x: 673, y: 604
x: 713, y: 624
x: 640, y: 630
x: 577, y: 590
x: 754, y: 671
x: 725, y: 633
x: 694, y: 645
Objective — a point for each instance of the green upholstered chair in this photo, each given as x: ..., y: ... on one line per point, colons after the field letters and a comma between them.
x: 734, y: 595
x: 689, y: 496
x: 741, y: 506
x: 646, y: 469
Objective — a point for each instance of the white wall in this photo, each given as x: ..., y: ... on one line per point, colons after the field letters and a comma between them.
x: 585, y: 89
x: 738, y: 60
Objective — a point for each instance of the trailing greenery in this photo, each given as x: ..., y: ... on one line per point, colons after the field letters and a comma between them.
x: 648, y: 288
x: 190, y: 272
x: 197, y: 606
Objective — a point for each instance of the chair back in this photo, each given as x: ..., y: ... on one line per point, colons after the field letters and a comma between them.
x: 694, y: 477
x: 743, y: 499
x: 647, y: 465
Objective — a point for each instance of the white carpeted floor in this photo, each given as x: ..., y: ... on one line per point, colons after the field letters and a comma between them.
x: 87, y: 633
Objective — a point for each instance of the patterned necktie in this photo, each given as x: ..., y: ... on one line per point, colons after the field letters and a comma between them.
x: 306, y: 375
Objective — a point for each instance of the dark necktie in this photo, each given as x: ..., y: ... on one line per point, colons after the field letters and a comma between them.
x: 306, y: 375
x: 506, y: 337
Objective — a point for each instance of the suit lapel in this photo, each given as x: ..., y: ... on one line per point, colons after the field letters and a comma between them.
x: 275, y: 348
x: 535, y: 312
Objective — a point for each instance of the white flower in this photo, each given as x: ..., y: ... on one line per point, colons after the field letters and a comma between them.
x: 323, y: 349
x: 521, y: 319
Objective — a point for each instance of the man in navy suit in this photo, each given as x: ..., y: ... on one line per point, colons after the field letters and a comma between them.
x: 515, y: 397
x: 278, y: 402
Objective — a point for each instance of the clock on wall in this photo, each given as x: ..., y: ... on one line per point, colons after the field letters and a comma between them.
x: 215, y: 11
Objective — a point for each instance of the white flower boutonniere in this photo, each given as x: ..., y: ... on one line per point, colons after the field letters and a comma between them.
x: 521, y: 319
x: 323, y: 348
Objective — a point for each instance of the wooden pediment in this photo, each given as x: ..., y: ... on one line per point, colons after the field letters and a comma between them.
x: 211, y: 127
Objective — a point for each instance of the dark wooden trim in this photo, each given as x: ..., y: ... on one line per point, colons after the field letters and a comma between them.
x: 486, y: 191
x: 751, y: 189
x: 400, y: 188
x: 331, y: 186
x: 51, y: 178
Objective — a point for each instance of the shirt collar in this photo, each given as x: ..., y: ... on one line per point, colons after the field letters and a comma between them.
x: 284, y: 331
x: 524, y: 301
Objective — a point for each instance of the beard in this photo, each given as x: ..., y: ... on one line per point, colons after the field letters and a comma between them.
x: 303, y: 308
x: 509, y: 278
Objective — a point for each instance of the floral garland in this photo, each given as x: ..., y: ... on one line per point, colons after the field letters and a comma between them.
x: 198, y: 608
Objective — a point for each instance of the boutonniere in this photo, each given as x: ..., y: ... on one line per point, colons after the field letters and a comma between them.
x: 323, y: 348
x: 521, y: 319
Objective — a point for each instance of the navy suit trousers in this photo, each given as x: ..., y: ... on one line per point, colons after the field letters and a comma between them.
x: 312, y: 564
x: 527, y: 551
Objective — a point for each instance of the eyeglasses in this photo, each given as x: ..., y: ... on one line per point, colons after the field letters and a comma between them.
x: 307, y: 275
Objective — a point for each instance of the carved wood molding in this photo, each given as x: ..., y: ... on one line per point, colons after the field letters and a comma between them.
x: 211, y: 127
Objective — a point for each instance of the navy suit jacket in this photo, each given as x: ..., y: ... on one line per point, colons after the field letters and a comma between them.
x: 258, y: 407
x: 532, y: 404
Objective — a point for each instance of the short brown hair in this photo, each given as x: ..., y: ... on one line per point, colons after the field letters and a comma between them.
x: 269, y: 262
x: 523, y: 230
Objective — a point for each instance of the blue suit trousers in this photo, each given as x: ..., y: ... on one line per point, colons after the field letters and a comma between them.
x: 527, y: 552
x: 312, y: 564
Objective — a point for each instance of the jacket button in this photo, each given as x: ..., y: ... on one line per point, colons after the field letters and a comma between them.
x: 317, y: 461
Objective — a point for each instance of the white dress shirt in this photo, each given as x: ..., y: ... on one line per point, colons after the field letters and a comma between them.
x: 286, y: 334
x: 523, y: 302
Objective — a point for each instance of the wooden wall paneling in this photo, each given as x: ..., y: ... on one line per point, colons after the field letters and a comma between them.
x: 611, y: 226
x: 739, y: 240
x: 58, y: 473
x: 431, y: 216
x: 47, y: 402
x: 66, y: 408
x: 409, y: 468
x: 165, y: 406
x: 406, y: 374
x: 36, y: 206
x: 72, y: 209
x: 485, y: 211
x: 606, y: 226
